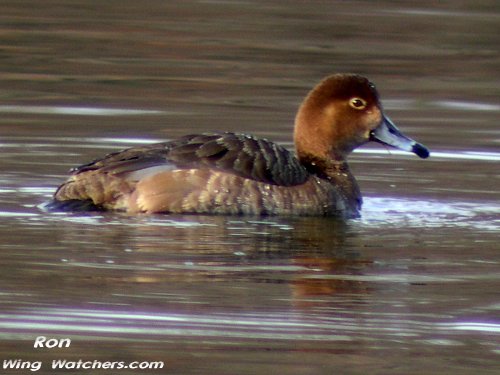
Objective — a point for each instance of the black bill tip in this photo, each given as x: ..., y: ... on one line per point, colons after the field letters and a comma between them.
x: 420, y: 150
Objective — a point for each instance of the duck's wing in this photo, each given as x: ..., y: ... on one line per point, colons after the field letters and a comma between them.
x: 239, y: 154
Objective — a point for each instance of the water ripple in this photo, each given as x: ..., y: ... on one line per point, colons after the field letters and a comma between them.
x: 126, y: 325
x: 430, y: 213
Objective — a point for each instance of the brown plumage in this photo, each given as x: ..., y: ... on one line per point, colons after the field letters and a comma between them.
x: 228, y: 173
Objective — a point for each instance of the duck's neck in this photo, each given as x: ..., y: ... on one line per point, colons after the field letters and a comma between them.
x: 327, y: 168
x: 323, y: 166
x: 337, y: 172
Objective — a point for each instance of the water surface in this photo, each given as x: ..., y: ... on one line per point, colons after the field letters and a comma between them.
x: 409, y: 288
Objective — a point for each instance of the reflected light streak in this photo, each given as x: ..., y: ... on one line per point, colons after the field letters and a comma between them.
x: 462, y: 155
x: 79, y: 111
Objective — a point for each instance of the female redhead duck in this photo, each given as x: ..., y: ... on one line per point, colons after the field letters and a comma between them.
x: 238, y: 174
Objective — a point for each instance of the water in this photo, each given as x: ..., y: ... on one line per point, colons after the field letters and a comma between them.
x: 409, y: 288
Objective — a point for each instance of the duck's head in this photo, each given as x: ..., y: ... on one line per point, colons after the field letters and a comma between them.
x: 341, y: 113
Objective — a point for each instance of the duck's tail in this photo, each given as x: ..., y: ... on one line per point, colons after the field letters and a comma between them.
x: 71, y: 205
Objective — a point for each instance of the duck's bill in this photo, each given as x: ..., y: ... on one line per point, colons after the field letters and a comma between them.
x: 388, y: 133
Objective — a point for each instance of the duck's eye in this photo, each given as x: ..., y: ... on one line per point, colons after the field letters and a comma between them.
x: 357, y: 103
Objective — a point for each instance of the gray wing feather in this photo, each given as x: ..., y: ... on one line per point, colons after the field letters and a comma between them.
x: 243, y: 155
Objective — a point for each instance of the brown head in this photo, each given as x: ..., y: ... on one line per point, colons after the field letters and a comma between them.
x: 341, y: 113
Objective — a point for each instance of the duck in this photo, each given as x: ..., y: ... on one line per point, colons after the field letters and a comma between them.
x: 226, y: 173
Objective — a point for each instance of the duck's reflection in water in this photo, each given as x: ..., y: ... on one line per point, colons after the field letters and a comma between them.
x: 186, y: 258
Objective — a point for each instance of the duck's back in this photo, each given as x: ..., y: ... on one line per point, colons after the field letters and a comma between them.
x: 203, y: 173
